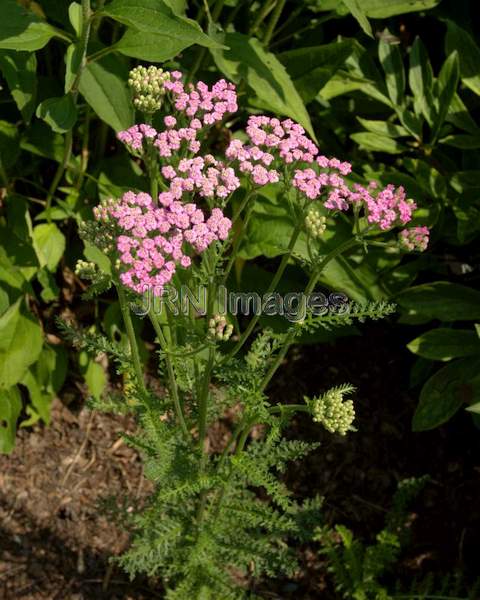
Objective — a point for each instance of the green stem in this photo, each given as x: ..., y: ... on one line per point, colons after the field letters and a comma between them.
x: 263, y: 13
x: 172, y: 383
x: 101, y: 53
x: 241, y: 233
x: 273, y: 284
x: 203, y: 401
x: 127, y: 319
x: 279, y: 6
x: 310, y: 287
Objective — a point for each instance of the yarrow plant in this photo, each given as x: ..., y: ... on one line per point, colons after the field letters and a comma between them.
x: 205, y: 524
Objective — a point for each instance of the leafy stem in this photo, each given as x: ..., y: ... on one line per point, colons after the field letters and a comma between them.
x: 310, y: 287
x: 172, y: 383
x: 127, y: 319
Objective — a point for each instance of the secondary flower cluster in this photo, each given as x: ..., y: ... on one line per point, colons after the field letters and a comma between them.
x: 147, y: 85
x: 333, y: 412
x: 207, y: 176
x: 134, y: 136
x: 206, y: 105
x: 415, y: 238
x: 150, y: 240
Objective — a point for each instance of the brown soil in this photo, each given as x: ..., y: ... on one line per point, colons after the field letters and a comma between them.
x: 56, y: 537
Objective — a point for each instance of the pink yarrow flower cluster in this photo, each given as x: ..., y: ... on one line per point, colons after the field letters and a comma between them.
x: 198, y: 100
x: 414, y: 238
x: 204, y: 175
x: 386, y: 207
x: 150, y: 240
x: 134, y: 136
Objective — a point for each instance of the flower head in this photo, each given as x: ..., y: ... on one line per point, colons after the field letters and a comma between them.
x: 414, y: 238
x: 151, y: 241
x: 148, y: 87
x: 332, y: 411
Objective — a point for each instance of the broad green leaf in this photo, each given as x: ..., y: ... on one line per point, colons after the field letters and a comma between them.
x: 19, y: 70
x: 475, y: 408
x: 10, y: 408
x: 43, y: 380
x: 464, y: 142
x: 40, y: 140
x: 104, y: 86
x: 21, y: 29
x: 462, y: 181
x: 378, y: 143
x: 59, y: 113
x: 9, y: 143
x: 20, y: 345
x: 459, y: 116
x: 363, y: 70
x: 445, y: 88
x: 50, y: 289
x: 49, y: 244
x: 383, y: 128
x: 75, y: 17
x: 441, y: 300
x: 445, y: 392
x: 392, y: 63
x: 445, y: 344
x: 382, y: 9
x: 156, y: 17
x: 265, y: 75
x: 94, y: 254
x: 468, y: 52
x: 358, y: 11
x: 420, y: 79
x: 150, y: 46
x: 73, y: 61
x: 312, y: 67
x: 94, y: 375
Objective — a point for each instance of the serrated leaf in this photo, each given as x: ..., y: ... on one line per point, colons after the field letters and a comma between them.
x: 49, y: 244
x: 265, y: 75
x: 20, y: 72
x: 10, y: 408
x: 104, y: 86
x: 445, y: 392
x: 445, y: 344
x: 59, y: 113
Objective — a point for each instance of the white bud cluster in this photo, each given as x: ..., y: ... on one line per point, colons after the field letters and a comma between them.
x: 219, y: 329
x: 335, y: 414
x: 147, y: 86
x: 86, y: 269
x: 315, y: 223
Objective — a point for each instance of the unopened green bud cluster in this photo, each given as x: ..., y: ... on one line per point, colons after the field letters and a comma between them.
x: 219, y: 329
x: 333, y: 412
x: 315, y: 223
x: 86, y: 269
x: 146, y: 84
